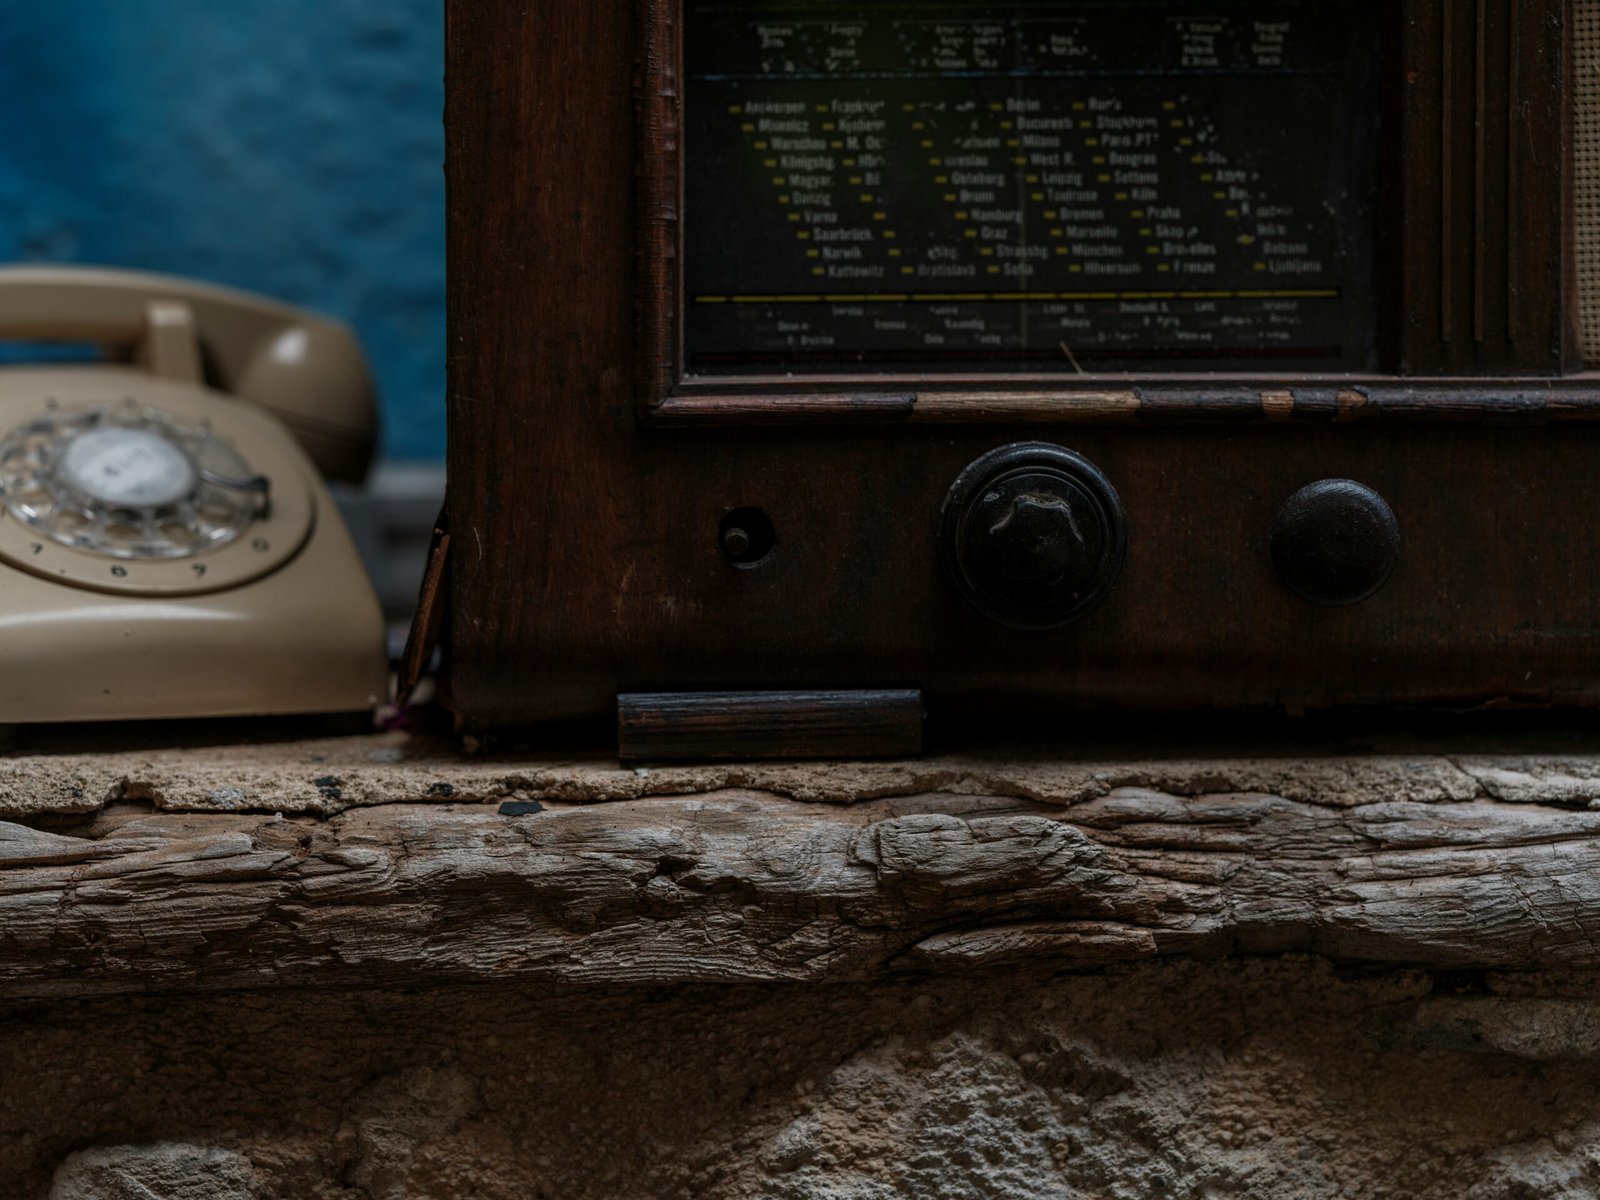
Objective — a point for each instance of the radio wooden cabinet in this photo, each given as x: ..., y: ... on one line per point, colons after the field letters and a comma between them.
x: 1038, y: 356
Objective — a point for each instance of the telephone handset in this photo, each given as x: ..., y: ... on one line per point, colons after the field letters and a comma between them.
x: 167, y: 546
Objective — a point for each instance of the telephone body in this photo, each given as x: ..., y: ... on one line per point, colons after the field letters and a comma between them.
x: 167, y: 545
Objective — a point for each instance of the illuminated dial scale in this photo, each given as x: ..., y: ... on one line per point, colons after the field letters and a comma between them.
x: 133, y: 494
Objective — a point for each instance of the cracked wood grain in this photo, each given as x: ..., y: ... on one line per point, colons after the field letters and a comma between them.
x: 736, y: 885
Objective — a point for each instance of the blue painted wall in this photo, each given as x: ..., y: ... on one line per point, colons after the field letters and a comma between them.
x: 292, y: 147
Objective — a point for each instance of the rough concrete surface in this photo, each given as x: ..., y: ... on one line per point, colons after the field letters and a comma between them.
x: 327, y: 775
x: 1274, y: 1079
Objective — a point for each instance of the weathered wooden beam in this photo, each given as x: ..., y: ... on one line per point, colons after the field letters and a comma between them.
x: 742, y: 885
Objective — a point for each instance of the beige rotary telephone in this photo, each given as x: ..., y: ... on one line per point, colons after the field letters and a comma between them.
x: 167, y: 546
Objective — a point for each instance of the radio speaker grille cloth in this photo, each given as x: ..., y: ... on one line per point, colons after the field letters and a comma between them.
x: 1586, y: 134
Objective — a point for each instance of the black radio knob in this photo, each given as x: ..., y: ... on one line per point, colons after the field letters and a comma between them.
x: 1335, y: 542
x: 1032, y: 535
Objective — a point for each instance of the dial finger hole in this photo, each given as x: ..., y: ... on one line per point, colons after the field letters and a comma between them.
x: 35, y: 514
x: 31, y: 490
x: 215, y: 511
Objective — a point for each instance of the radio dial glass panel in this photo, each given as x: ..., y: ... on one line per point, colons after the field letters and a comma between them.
x: 1077, y: 187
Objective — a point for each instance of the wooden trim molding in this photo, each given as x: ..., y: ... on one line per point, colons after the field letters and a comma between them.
x: 1420, y: 401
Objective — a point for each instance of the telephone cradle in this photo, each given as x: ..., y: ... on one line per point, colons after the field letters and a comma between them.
x: 167, y: 545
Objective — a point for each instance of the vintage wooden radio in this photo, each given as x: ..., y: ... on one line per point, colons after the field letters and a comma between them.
x: 1031, y: 355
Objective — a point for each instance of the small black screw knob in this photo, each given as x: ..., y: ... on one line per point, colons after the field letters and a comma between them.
x: 735, y: 542
x: 746, y: 537
x: 1032, y: 535
x: 1335, y: 542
